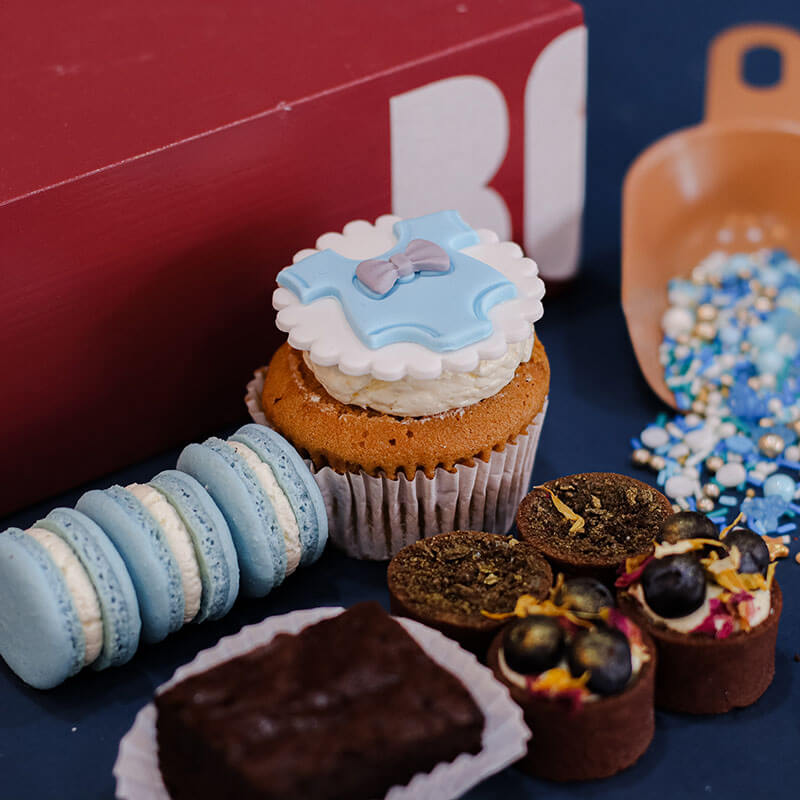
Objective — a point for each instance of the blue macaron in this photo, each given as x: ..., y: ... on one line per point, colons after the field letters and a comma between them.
x: 41, y: 637
x: 256, y: 533
x: 211, y: 538
x: 147, y: 555
x: 118, y: 602
x: 296, y: 482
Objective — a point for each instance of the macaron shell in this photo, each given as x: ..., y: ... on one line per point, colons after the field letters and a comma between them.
x: 143, y: 547
x: 41, y: 638
x: 260, y: 547
x: 296, y: 481
x: 216, y: 555
x: 112, y: 583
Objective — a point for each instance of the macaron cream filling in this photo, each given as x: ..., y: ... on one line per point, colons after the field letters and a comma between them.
x: 280, y: 503
x: 179, y: 541
x: 81, y: 589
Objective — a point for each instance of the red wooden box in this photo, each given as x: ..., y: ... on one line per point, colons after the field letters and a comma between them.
x: 163, y: 159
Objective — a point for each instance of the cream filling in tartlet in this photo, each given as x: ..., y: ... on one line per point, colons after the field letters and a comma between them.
x: 80, y: 588
x: 761, y: 605
x: 180, y: 544
x: 416, y: 397
x: 638, y: 657
x: 284, y: 512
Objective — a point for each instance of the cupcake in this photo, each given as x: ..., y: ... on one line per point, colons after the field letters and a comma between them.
x: 583, y: 674
x: 450, y: 581
x: 712, y: 607
x: 412, y: 379
x: 589, y: 524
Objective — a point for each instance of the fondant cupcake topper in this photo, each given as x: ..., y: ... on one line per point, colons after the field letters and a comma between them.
x: 418, y: 306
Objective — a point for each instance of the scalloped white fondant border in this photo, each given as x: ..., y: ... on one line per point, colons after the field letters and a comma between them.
x: 322, y: 329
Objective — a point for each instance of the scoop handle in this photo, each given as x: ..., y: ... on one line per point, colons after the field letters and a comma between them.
x: 729, y: 97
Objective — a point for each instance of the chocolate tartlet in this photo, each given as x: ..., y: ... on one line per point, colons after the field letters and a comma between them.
x: 712, y: 606
x: 449, y: 580
x: 702, y: 675
x: 587, y: 693
x: 589, y: 524
x: 347, y: 708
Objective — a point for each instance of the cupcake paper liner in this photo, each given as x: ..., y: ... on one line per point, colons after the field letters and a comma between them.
x: 373, y: 517
x: 505, y: 734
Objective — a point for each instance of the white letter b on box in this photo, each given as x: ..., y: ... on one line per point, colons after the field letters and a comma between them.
x: 448, y: 138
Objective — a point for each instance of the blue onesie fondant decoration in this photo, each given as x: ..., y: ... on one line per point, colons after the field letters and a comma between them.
x: 440, y: 310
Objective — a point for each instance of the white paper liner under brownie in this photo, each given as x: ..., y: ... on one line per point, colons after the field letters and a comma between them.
x: 374, y: 518
x: 504, y: 739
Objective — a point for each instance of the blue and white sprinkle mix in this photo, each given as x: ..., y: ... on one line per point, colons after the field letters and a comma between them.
x: 731, y: 356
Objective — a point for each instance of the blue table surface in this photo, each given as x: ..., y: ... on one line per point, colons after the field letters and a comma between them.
x: 646, y: 79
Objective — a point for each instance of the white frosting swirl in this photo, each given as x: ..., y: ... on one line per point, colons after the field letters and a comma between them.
x: 419, y: 397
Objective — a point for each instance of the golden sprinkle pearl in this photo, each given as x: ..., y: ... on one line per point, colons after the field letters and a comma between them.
x: 713, y: 463
x: 706, y: 312
x: 771, y: 445
x: 641, y: 457
x: 705, y: 504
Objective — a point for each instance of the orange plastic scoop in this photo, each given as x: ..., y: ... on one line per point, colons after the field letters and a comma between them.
x: 730, y: 183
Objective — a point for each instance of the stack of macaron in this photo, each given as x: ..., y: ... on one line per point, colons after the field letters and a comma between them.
x: 82, y: 586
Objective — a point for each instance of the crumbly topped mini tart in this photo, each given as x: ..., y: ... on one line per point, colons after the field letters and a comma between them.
x: 592, y: 520
x: 455, y: 577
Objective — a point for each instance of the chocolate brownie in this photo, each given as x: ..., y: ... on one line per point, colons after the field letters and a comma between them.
x: 347, y: 708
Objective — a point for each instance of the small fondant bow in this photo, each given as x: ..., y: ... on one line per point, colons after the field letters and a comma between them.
x: 420, y: 254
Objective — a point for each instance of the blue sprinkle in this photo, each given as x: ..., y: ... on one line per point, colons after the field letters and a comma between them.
x: 794, y: 508
x: 692, y: 503
x: 789, y: 464
x: 786, y: 527
x: 636, y: 444
x: 727, y: 500
x: 755, y: 481
x: 739, y: 444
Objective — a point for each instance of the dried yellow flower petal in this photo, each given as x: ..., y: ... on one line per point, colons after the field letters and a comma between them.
x: 726, y: 530
x: 776, y: 547
x: 558, y: 680
x: 577, y: 520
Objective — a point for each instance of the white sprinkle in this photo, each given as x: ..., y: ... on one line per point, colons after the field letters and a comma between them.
x: 653, y: 437
x: 677, y: 320
x: 679, y: 486
x: 731, y: 474
x: 700, y: 439
x: 678, y: 451
x: 726, y: 429
x: 673, y: 430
